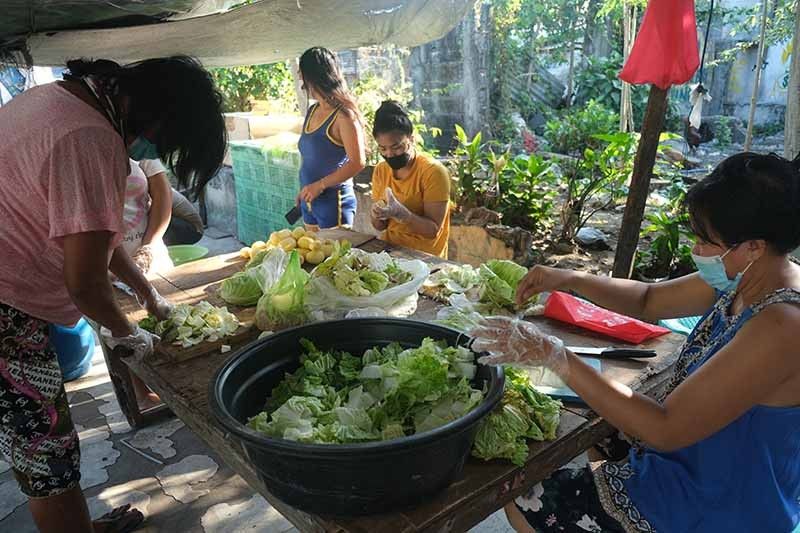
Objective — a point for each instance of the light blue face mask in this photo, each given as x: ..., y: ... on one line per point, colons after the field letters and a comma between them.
x: 141, y: 148
x: 712, y: 271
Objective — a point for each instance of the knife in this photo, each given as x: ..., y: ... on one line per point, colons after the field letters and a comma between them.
x: 613, y: 353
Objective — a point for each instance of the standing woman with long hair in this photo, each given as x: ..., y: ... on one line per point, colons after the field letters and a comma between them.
x: 331, y: 145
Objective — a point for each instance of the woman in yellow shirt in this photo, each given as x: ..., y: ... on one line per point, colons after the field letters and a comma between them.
x: 411, y: 190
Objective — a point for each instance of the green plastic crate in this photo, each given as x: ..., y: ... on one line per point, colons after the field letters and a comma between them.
x: 267, y: 183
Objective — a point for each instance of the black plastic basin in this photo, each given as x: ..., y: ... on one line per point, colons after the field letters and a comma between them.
x: 346, y: 479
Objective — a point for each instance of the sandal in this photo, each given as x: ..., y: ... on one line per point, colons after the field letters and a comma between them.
x: 120, y: 520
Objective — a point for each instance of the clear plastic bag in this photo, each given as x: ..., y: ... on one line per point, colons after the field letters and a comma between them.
x: 325, y: 301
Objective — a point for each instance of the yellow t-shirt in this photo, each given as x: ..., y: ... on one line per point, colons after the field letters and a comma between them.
x: 428, y: 181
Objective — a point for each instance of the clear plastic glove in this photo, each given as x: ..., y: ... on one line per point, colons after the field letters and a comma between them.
x: 157, y: 305
x: 143, y: 258
x: 514, y: 341
x: 140, y: 342
x: 391, y: 209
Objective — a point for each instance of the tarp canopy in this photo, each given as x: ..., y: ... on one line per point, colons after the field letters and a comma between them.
x: 50, y: 31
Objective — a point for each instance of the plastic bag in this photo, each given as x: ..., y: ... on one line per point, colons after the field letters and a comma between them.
x: 665, y: 50
x: 282, y: 306
x: 271, y: 268
x: 566, y: 308
x: 326, y: 300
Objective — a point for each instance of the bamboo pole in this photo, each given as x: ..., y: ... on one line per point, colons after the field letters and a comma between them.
x: 748, y: 140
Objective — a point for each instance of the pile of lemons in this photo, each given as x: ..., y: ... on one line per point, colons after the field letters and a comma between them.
x: 311, y: 248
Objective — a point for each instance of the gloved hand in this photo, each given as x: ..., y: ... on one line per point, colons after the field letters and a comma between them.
x: 392, y: 209
x: 144, y: 258
x: 156, y: 304
x: 140, y: 342
x: 510, y: 340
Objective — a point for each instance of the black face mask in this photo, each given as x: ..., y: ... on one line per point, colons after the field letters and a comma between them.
x: 398, y: 161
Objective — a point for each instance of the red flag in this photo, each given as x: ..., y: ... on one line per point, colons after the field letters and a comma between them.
x: 665, y: 50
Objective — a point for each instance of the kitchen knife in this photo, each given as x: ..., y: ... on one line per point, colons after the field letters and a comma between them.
x: 609, y: 352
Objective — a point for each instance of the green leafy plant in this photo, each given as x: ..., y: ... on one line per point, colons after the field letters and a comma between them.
x: 469, y: 166
x: 667, y: 240
x: 241, y: 85
x: 598, y: 179
x: 576, y: 130
x: 723, y: 132
x: 528, y: 188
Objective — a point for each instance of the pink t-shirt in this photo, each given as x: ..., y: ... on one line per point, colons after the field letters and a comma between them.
x: 63, y: 170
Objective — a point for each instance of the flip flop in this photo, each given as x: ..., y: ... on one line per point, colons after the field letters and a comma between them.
x: 121, y: 520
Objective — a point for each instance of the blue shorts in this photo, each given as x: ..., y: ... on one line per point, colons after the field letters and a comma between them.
x: 334, y: 207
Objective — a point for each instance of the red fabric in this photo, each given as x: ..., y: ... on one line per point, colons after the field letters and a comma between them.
x: 566, y: 308
x: 665, y: 50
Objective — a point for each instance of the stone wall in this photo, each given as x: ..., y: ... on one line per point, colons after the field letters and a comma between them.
x: 451, y: 77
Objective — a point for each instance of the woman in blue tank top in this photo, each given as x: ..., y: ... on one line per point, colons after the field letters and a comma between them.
x: 331, y: 145
x: 719, y: 451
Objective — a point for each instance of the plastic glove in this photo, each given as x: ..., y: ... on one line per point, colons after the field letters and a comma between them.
x: 393, y: 208
x: 140, y: 342
x: 143, y: 258
x: 156, y: 305
x: 510, y: 340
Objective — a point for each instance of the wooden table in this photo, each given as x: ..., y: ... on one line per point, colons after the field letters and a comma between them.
x: 182, y: 377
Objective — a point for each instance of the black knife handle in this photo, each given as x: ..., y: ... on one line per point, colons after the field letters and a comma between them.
x: 628, y: 353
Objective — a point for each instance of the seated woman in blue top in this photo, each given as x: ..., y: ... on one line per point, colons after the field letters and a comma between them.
x: 331, y: 145
x: 720, y: 450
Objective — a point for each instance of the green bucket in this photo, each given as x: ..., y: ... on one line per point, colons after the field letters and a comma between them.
x: 186, y: 253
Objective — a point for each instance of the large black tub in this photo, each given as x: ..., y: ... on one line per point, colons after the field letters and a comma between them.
x: 350, y: 479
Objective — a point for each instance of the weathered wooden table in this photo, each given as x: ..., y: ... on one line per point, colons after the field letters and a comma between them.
x: 181, y: 377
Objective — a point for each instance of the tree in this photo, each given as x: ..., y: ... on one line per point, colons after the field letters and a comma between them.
x: 792, y: 126
x: 240, y: 85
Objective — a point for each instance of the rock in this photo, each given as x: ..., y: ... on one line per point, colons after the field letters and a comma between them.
x: 592, y: 239
x: 563, y: 248
x: 481, y: 216
x: 518, y: 239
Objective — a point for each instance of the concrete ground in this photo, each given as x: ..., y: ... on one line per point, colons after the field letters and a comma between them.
x: 165, y: 470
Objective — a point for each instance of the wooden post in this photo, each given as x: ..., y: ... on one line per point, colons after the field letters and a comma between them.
x: 643, y: 164
x: 748, y: 140
x: 791, y: 146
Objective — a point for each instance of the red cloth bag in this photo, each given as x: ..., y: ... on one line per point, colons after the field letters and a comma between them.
x: 565, y: 308
x: 665, y: 50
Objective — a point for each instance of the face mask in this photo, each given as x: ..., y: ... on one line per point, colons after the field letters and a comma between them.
x: 142, y: 149
x: 712, y: 271
x: 398, y: 161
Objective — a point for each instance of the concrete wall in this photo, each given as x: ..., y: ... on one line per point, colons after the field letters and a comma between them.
x: 731, y: 84
x: 450, y: 77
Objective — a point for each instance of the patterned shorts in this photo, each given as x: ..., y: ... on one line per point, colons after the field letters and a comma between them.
x: 580, y: 499
x: 37, y: 437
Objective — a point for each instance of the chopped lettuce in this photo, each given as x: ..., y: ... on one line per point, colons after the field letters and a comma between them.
x: 358, y: 273
x: 524, y: 413
x: 188, y: 325
x: 387, y: 393
x: 452, y: 279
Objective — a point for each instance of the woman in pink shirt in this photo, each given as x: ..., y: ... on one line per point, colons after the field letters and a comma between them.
x: 63, y: 170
